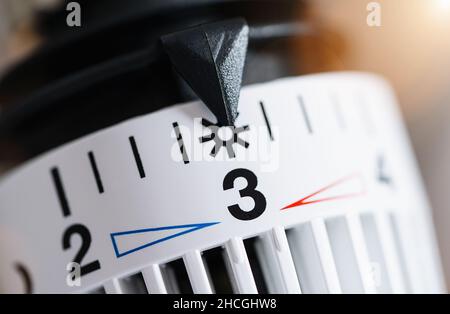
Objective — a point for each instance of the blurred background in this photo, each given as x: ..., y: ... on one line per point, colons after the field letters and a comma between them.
x: 411, y: 49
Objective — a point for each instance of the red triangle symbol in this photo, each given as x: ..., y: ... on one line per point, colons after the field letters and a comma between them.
x: 350, y: 181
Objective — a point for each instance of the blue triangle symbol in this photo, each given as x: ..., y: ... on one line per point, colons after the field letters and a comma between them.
x: 186, y: 229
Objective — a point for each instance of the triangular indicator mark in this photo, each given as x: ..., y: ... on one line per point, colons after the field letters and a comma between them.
x: 136, y: 240
x: 211, y: 59
x: 347, y: 187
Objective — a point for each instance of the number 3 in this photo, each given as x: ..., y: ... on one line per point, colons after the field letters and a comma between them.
x: 249, y: 191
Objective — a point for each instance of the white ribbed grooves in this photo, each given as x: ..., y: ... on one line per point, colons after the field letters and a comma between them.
x: 344, y: 255
x: 326, y: 256
x: 394, y: 269
x: 113, y: 286
x: 353, y: 253
x: 170, y: 279
x: 313, y: 258
x: 379, y: 272
x: 407, y: 266
x: 154, y: 280
x: 197, y: 273
x: 276, y: 260
x: 361, y: 253
x: 242, y: 276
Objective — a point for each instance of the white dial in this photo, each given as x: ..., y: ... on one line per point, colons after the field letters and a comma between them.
x: 318, y: 172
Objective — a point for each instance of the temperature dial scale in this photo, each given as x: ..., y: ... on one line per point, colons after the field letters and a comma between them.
x: 314, y: 190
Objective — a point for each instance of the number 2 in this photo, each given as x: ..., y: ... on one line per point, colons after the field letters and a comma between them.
x: 86, y: 240
x: 248, y: 191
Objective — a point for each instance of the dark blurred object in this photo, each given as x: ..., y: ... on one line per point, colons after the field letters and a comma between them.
x: 83, y: 79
